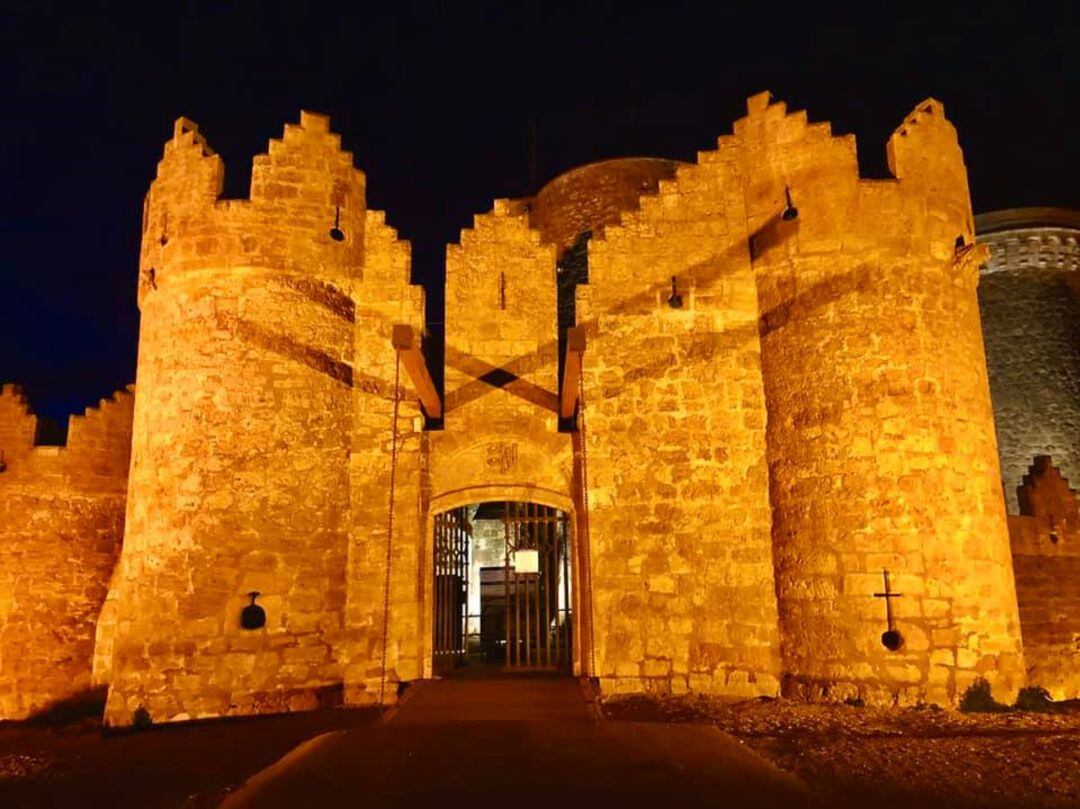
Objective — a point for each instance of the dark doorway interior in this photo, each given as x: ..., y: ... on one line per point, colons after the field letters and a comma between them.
x: 502, y: 589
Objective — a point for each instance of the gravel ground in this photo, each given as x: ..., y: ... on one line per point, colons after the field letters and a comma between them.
x: 912, y: 757
x: 190, y: 765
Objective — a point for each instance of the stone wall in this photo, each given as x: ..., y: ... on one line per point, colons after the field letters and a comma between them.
x: 383, y: 299
x: 1046, y: 556
x: 61, y: 524
x: 240, y: 472
x: 1031, y: 324
x: 674, y: 417
x: 880, y: 430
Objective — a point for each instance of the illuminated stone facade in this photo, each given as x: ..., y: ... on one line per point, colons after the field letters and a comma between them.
x: 777, y: 407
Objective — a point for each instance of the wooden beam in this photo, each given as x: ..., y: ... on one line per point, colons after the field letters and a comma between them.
x: 407, y: 344
x: 575, y: 347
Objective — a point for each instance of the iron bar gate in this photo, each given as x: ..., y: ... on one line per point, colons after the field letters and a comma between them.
x: 536, y: 576
x: 452, y: 535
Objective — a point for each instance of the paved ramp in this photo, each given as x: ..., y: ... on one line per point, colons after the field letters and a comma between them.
x: 523, y: 698
x: 518, y: 743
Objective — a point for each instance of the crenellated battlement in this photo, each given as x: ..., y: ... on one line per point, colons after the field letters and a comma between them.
x: 306, y: 212
x: 18, y: 424
x: 504, y: 218
x: 506, y: 229
x: 923, y: 209
x: 387, y: 257
x: 94, y: 458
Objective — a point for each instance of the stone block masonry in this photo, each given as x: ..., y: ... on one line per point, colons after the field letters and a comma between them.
x: 675, y: 408
x: 61, y: 525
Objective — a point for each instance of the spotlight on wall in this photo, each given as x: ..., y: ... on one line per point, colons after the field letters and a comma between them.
x: 335, y: 232
x: 675, y: 299
x: 790, y: 212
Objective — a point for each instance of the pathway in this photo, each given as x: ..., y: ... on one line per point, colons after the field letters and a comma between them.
x: 518, y: 742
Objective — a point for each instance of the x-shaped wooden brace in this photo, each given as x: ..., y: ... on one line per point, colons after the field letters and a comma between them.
x: 486, y: 376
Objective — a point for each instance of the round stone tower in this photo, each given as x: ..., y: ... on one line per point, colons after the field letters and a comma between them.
x: 1029, y: 294
x: 230, y: 590
x: 894, y: 576
x: 590, y: 197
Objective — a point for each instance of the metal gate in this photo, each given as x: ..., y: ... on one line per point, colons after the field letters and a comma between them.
x: 452, y: 535
x: 522, y: 592
x: 536, y: 587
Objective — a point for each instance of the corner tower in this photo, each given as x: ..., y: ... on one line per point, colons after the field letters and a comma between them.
x: 241, y: 453
x: 881, y: 445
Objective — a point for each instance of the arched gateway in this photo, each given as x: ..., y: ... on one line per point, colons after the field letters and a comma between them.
x: 501, y: 589
x: 502, y: 520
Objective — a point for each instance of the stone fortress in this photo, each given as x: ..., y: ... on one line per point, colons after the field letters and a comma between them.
x: 754, y: 386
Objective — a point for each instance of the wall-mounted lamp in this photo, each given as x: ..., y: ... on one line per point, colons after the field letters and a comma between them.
x: 253, y: 616
x: 675, y: 300
x: 790, y: 212
x: 3, y: 465
x: 335, y: 232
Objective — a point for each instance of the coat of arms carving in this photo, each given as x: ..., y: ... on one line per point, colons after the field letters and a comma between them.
x: 501, y: 457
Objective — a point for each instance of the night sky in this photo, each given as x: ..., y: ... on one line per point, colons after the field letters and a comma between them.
x: 437, y: 104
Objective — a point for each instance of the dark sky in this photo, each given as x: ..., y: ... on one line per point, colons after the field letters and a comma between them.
x: 436, y: 101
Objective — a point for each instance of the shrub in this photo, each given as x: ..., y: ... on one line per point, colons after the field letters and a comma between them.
x: 140, y: 719
x: 978, y: 699
x: 1035, y: 698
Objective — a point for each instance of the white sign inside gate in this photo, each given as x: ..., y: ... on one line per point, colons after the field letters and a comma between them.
x: 526, y: 562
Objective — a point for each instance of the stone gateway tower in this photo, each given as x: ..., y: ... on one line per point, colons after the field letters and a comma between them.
x: 251, y: 423
x: 717, y: 427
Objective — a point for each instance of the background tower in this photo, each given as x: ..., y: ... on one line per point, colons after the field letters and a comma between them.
x: 1031, y: 324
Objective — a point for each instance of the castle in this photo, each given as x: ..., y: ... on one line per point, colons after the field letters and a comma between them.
x: 720, y: 427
